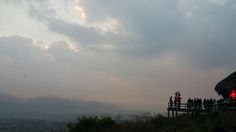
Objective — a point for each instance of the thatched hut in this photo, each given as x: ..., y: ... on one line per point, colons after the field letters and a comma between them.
x: 226, y: 86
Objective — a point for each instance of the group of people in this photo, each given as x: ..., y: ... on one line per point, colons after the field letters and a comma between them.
x: 198, y: 103
x: 177, y: 100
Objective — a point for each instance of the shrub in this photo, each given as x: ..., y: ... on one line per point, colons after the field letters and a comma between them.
x: 91, y: 124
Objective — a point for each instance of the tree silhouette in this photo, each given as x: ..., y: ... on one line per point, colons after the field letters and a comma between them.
x: 91, y: 124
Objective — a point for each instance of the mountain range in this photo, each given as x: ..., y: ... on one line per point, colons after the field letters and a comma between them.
x: 45, y: 106
x: 52, y: 105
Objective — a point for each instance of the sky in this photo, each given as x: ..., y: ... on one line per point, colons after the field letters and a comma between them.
x: 117, y: 51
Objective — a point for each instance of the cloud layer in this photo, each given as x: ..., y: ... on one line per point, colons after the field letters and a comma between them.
x: 117, y: 51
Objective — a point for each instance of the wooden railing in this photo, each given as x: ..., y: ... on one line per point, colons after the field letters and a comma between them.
x: 195, y: 108
x: 177, y: 105
x: 190, y: 106
x: 192, y: 109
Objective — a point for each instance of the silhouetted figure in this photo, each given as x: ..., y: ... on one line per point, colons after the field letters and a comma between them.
x: 211, y: 103
x: 171, y: 102
x: 204, y: 103
x: 189, y: 102
x: 215, y: 104
x: 194, y: 103
x: 175, y: 102
x: 200, y: 103
x: 177, y: 99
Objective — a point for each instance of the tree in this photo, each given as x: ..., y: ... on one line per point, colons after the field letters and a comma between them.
x: 91, y: 124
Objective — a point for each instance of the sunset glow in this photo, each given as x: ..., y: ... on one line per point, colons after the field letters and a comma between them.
x: 80, y: 9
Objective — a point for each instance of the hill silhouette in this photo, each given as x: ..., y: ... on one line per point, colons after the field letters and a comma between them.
x: 51, y: 105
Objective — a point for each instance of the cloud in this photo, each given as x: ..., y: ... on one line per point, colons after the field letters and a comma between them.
x: 80, y: 9
x: 30, y: 70
x: 17, y: 48
x: 140, y: 48
x: 107, y: 31
x: 33, y: 70
x: 81, y: 34
x: 20, y: 58
x: 219, y: 2
x: 197, y: 29
x: 166, y: 26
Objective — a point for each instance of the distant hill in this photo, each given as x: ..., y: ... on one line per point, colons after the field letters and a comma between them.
x: 55, y: 107
x: 52, y: 105
x: 6, y: 98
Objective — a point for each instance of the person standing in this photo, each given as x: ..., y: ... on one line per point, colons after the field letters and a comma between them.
x: 171, y: 102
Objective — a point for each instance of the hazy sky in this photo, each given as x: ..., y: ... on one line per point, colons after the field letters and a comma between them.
x: 119, y: 51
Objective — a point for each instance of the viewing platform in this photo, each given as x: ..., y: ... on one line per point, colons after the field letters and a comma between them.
x: 186, y: 108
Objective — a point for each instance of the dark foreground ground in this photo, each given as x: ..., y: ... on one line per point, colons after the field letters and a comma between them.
x: 31, y: 125
x: 212, y: 122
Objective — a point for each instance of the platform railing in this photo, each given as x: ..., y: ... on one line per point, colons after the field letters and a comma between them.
x: 191, y: 106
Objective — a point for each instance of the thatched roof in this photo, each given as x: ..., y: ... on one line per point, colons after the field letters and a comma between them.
x: 226, y: 85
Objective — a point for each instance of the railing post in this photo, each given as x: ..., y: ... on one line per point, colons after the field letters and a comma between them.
x: 176, y: 113
x: 168, y: 113
x: 173, y: 115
